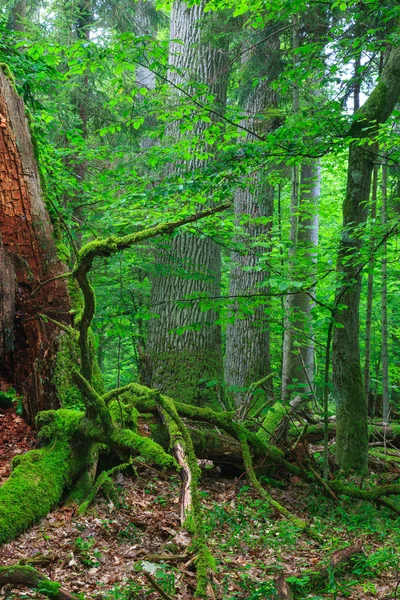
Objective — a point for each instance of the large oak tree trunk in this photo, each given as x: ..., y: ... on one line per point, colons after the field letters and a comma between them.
x: 189, y: 265
x: 247, y: 338
x: 27, y: 258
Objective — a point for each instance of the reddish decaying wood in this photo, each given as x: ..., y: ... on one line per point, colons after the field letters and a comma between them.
x: 27, y: 257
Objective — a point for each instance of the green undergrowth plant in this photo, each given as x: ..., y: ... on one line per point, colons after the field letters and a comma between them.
x: 88, y: 553
x: 10, y: 397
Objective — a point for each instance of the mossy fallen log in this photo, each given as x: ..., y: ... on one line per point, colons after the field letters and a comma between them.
x: 34, y: 487
x: 40, y: 478
x: 25, y: 576
x: 378, y: 433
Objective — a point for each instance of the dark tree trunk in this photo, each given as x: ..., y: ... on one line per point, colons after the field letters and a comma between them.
x: 27, y: 258
x: 352, y: 432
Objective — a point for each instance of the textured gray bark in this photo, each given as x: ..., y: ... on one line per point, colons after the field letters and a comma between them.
x: 188, y: 264
x: 247, y: 357
x: 17, y: 16
x: 247, y: 338
x: 352, y: 431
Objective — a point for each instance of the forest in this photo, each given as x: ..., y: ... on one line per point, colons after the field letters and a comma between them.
x: 199, y: 299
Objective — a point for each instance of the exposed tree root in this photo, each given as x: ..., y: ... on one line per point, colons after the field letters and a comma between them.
x: 103, y: 483
x: 377, y: 494
x: 25, y: 576
x: 194, y: 522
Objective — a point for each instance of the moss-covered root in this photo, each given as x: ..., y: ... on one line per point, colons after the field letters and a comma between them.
x: 376, y: 495
x: 248, y: 463
x: 103, y: 483
x: 34, y: 487
x: 24, y: 576
x: 204, y: 559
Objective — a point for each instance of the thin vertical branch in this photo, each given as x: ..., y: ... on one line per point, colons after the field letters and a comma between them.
x: 384, y: 320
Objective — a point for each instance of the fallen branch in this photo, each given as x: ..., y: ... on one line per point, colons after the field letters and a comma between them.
x: 157, y: 587
x: 23, y: 575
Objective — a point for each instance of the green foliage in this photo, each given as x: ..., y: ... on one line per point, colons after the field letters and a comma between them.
x: 49, y: 588
x: 88, y: 554
x: 10, y: 397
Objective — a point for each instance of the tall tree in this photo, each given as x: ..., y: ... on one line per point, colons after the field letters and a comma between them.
x: 247, y: 338
x: 188, y: 265
x: 302, y: 351
x: 28, y: 259
x: 352, y: 430
x: 384, y: 308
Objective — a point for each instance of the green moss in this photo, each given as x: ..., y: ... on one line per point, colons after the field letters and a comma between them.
x: 48, y: 588
x: 194, y: 522
x: 97, y: 379
x: 59, y: 424
x: 183, y: 375
x: 67, y: 359
x: 272, y: 421
x: 105, y: 484
x: 302, y: 525
x: 149, y: 450
x: 120, y: 413
x: 34, y: 487
x: 8, y: 73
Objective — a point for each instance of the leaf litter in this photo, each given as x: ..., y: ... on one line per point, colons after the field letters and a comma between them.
x: 104, y: 553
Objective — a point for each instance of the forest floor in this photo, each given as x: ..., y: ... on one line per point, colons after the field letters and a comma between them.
x: 101, y: 554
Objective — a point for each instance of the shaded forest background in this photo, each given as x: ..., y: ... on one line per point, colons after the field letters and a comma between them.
x: 199, y: 223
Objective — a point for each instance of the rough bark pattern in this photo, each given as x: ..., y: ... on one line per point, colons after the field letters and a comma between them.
x: 352, y: 434
x: 27, y: 257
x: 188, y: 264
x: 247, y: 338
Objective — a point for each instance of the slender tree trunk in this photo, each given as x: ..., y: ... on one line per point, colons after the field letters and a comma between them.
x: 181, y: 364
x: 83, y: 22
x: 370, y: 295
x: 27, y: 258
x: 294, y: 200
x: 352, y: 430
x: 18, y: 14
x: 247, y: 338
x: 302, y: 357
x: 384, y: 317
